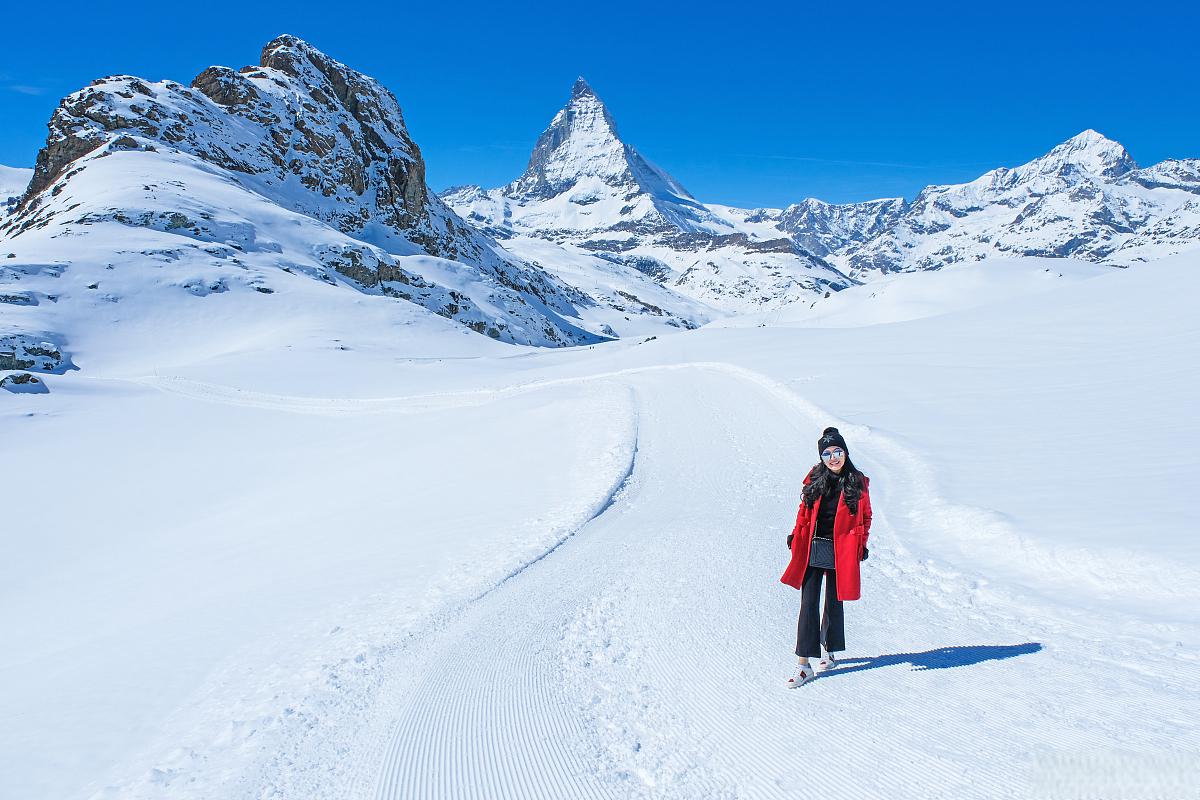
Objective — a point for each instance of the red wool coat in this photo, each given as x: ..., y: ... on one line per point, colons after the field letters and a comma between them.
x: 850, y: 532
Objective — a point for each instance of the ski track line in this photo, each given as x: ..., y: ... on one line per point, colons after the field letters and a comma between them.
x: 412, y: 770
x: 603, y: 505
x: 709, y: 763
x: 268, y: 782
x: 419, y: 760
x: 701, y: 714
x: 439, y: 770
x: 424, y: 758
x: 230, y: 395
x: 987, y: 709
x: 464, y: 733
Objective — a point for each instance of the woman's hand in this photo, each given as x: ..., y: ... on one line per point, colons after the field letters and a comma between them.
x: 790, y: 537
x: 864, y: 554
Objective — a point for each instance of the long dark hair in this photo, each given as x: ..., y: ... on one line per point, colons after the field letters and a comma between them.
x: 822, y: 478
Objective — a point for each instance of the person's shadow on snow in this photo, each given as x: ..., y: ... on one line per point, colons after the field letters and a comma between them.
x: 942, y: 658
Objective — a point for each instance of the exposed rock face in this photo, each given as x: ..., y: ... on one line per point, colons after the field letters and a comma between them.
x: 827, y: 228
x: 299, y: 117
x: 1170, y: 174
x: 23, y: 383
x: 313, y: 136
x: 38, y: 352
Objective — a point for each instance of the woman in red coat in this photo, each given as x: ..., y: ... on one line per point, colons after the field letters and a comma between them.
x: 828, y: 541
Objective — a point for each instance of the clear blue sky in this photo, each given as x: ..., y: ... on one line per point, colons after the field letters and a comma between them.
x: 747, y: 104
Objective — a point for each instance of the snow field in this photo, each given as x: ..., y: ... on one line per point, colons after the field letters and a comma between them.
x: 556, y: 573
x: 228, y: 587
x: 659, y: 636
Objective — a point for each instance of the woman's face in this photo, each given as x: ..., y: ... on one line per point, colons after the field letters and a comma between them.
x: 834, y: 458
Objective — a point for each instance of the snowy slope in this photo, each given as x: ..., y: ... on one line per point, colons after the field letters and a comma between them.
x: 317, y: 563
x: 299, y: 167
x: 909, y: 296
x: 585, y: 188
x: 13, y: 181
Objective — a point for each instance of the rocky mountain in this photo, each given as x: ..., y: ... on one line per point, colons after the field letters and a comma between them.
x: 297, y: 166
x: 298, y: 175
x: 1085, y: 199
x: 584, y: 187
x: 828, y: 228
x: 581, y: 143
x: 588, y: 191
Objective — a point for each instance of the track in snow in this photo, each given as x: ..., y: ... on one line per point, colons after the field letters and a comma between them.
x: 621, y: 692
x: 645, y: 656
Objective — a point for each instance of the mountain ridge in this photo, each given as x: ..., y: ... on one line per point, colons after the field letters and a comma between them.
x: 301, y: 168
x: 596, y: 195
x: 298, y: 167
x: 1082, y: 198
x: 1085, y: 198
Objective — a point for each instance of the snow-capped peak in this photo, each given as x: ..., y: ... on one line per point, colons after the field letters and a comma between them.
x: 581, y: 149
x: 581, y: 88
x: 581, y: 141
x: 1089, y: 151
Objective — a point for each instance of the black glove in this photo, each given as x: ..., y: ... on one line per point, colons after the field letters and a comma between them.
x: 790, y: 535
x: 864, y: 555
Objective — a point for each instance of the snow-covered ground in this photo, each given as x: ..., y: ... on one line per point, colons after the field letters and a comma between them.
x: 13, y: 180
x: 360, y: 552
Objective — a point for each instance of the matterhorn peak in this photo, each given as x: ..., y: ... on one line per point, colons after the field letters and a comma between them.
x: 581, y: 142
x: 582, y: 147
x: 582, y: 89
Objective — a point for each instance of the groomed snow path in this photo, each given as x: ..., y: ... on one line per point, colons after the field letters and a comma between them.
x: 646, y: 655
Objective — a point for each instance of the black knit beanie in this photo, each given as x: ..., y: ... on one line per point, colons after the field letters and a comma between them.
x: 829, y: 438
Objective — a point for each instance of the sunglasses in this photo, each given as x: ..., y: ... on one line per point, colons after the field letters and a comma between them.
x: 829, y: 455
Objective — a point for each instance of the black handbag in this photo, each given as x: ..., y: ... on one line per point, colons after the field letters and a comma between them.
x: 821, y: 553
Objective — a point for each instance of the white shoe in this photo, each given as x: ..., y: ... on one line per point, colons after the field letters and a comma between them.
x: 803, y: 674
x: 827, y: 662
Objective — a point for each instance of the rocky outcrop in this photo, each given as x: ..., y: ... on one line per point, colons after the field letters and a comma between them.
x: 311, y: 135
x: 298, y: 117
x: 23, y: 383
x: 37, y: 352
x: 827, y: 228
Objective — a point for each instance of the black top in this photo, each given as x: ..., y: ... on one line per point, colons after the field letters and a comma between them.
x: 828, y: 510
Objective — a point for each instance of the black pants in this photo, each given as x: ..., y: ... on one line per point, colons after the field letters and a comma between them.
x: 831, y: 628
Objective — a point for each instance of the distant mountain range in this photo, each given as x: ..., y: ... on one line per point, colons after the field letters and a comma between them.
x: 301, y: 168
x: 584, y: 187
x: 1085, y: 199
x: 588, y: 191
